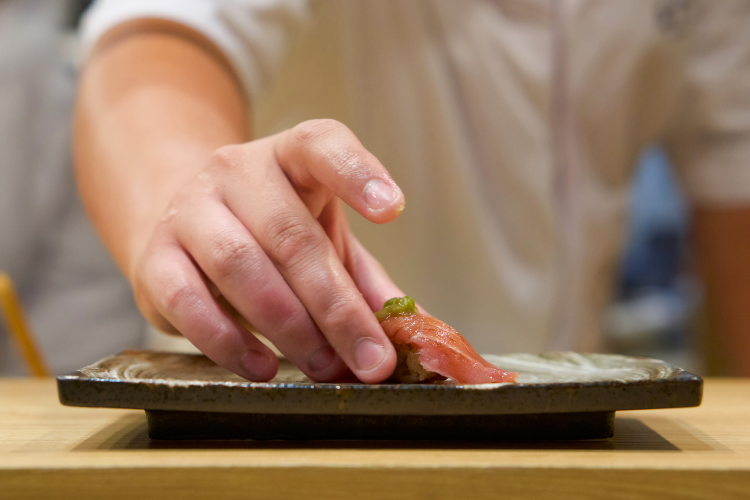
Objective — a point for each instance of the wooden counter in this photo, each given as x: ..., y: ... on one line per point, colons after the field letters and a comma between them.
x: 51, y: 451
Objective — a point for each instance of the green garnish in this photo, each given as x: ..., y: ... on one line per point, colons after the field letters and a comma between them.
x: 396, y: 307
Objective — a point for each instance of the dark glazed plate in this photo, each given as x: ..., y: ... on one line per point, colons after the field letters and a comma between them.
x: 560, y: 395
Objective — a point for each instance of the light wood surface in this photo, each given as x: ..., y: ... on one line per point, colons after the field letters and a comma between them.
x: 51, y: 451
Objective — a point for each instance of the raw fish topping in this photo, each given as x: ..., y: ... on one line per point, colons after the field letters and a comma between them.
x: 439, y: 348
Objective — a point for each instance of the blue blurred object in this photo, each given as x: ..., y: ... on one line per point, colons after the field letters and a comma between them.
x: 657, y: 296
x: 657, y: 236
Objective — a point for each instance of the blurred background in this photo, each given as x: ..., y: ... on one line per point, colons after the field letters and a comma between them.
x: 73, y: 294
x: 60, y: 269
x: 657, y: 305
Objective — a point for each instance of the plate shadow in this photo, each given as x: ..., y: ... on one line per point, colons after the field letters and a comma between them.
x: 130, y: 432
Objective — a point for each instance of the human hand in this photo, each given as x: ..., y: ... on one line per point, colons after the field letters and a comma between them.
x: 262, y: 225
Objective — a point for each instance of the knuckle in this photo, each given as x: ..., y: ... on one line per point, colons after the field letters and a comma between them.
x: 338, y: 312
x: 177, y: 295
x: 153, y: 298
x: 227, y: 157
x: 278, y: 319
x: 195, y: 192
x: 332, y: 143
x: 290, y: 238
x: 289, y: 323
x: 309, y: 133
x: 215, y: 335
x: 228, y: 255
x: 284, y: 316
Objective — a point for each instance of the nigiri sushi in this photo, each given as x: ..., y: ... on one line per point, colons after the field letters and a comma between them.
x: 429, y: 350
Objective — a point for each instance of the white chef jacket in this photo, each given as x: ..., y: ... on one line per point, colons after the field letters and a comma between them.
x: 512, y: 126
x: 78, y: 305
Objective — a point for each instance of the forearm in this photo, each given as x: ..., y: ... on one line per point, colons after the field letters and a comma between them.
x: 723, y: 245
x: 154, y: 103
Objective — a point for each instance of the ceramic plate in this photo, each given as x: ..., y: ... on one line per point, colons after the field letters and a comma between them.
x: 560, y: 395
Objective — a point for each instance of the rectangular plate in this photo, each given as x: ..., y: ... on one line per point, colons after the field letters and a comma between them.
x: 188, y: 396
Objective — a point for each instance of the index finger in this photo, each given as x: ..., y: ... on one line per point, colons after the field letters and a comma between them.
x: 326, y: 153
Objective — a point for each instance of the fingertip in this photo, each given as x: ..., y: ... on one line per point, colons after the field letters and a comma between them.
x: 259, y: 365
x: 384, y: 200
x: 375, y: 361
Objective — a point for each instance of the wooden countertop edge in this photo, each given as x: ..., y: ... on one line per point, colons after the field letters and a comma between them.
x: 309, y: 482
x: 515, y: 460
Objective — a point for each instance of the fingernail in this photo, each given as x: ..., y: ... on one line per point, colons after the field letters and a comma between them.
x: 256, y: 364
x: 368, y: 354
x: 322, y: 358
x: 379, y: 195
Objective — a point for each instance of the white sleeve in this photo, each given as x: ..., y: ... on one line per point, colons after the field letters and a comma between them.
x: 711, y: 139
x: 255, y: 35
